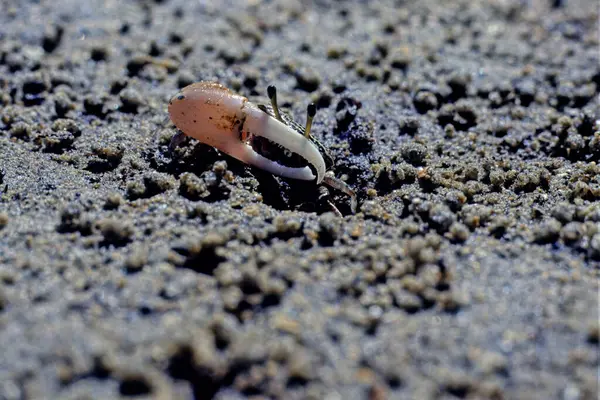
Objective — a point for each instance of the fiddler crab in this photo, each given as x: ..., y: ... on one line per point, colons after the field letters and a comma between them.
x: 258, y: 135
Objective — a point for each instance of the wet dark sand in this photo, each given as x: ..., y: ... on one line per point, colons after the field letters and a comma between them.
x: 467, y: 129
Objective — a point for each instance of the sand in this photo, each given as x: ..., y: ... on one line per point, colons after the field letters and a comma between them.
x: 468, y: 129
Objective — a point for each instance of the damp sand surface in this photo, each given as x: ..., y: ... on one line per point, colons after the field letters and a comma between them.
x: 468, y: 130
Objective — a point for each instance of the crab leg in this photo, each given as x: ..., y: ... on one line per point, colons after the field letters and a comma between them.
x: 340, y: 185
x: 335, y: 209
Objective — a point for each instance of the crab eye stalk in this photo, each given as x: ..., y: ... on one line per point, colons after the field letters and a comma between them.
x: 311, y: 110
x: 272, y: 92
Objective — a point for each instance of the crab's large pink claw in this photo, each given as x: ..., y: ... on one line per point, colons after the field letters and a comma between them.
x: 212, y: 114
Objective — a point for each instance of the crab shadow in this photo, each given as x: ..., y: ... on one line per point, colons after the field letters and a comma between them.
x: 279, y: 193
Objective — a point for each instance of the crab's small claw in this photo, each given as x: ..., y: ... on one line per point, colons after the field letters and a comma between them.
x: 340, y: 185
x: 324, y: 199
x: 335, y: 209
